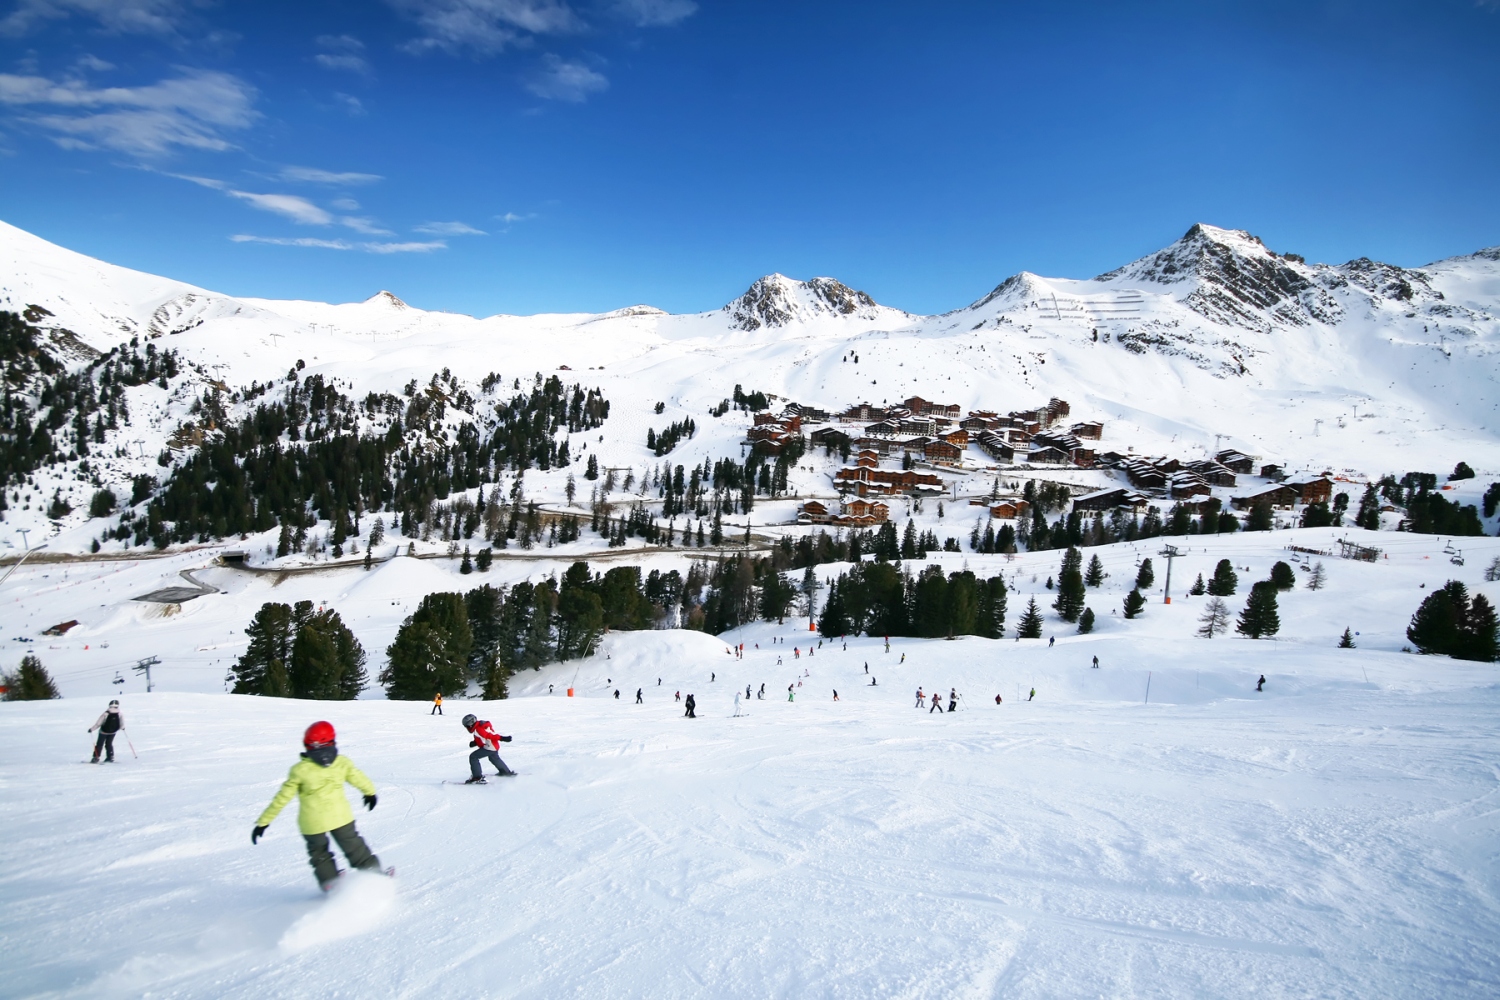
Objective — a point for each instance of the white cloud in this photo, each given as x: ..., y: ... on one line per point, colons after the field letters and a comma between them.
x: 299, y: 210
x: 300, y: 241
x: 351, y: 104
x: 344, y: 61
x: 486, y: 26
x: 307, y: 241
x: 126, y: 17
x: 345, y: 204
x: 563, y: 80
x: 362, y: 224
x: 191, y: 111
x: 655, y: 13
x: 448, y: 229
x: 92, y: 64
x: 312, y: 175
x: 404, y: 247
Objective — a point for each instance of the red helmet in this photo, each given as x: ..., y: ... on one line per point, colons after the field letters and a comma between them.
x: 318, y: 734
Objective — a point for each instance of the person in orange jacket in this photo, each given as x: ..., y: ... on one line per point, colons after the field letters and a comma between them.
x: 437, y: 704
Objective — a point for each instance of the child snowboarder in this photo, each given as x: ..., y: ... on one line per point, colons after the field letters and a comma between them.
x: 108, y: 724
x: 317, y: 780
x: 437, y: 704
x: 488, y: 743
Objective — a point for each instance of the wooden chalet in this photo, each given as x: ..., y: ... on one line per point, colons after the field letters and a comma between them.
x: 1280, y: 497
x: 1109, y: 499
x: 996, y: 446
x: 1009, y: 509
x: 868, y: 458
x: 1185, y: 484
x: 1316, y: 490
x: 1213, y: 473
x: 1236, y: 461
x: 1273, y: 472
x: 942, y: 453
x: 1047, y: 456
x: 1091, y: 430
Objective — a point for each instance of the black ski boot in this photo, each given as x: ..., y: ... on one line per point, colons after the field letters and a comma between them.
x: 476, y: 781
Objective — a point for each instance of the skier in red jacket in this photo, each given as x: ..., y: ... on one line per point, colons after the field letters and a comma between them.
x: 488, y: 743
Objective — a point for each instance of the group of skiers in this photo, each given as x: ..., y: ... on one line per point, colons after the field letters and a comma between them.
x: 317, y: 782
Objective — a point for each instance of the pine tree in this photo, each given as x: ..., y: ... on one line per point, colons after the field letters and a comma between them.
x: 1346, y: 641
x: 1086, y: 621
x: 1449, y: 622
x: 421, y: 661
x: 270, y: 635
x: 1134, y: 603
x: 1259, y: 518
x: 1197, y: 589
x: 1482, y: 633
x: 835, y: 617
x: 1095, y: 575
x: 1070, y: 587
x: 495, y: 678
x: 1215, y: 618
x: 1317, y: 577
x: 1146, y: 577
x: 29, y: 682
x: 1225, y: 581
x: 483, y: 558
x: 909, y: 540
x: 1282, y: 576
x: 467, y: 566
x: 1260, y: 617
x: 1030, y: 625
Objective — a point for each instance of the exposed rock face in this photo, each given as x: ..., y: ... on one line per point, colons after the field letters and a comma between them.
x: 777, y: 300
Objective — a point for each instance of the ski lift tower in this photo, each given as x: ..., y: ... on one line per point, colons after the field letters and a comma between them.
x: 144, y: 667
x: 1170, y: 552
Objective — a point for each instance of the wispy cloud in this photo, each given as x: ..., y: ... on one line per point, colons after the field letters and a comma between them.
x: 192, y: 111
x: 564, y: 80
x: 290, y: 206
x: 345, y: 204
x: 307, y: 241
x: 312, y: 175
x: 126, y: 17
x: 342, y: 52
x: 298, y: 241
x: 448, y: 229
x: 362, y: 224
x: 485, y: 26
x: 654, y: 13
x: 350, y: 103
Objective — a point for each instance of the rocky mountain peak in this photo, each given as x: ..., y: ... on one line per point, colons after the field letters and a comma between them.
x: 776, y: 300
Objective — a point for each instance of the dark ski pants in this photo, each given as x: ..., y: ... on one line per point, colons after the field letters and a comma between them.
x: 349, y: 841
x: 436, y: 710
x: 481, y: 754
x: 106, y: 743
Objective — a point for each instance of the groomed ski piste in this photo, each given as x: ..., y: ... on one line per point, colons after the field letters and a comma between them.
x: 1152, y: 828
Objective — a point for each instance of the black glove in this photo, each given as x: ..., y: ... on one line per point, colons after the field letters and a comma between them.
x: 370, y: 802
x: 473, y: 743
x: 505, y: 739
x: 257, y: 833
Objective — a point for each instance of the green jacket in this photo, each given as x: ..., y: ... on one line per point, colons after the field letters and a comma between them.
x: 323, y: 806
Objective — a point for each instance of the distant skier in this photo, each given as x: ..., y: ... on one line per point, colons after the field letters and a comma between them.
x: 317, y: 780
x: 1031, y: 695
x: 872, y: 680
x: 937, y: 703
x: 437, y: 704
x: 921, y: 699
x: 1051, y: 641
x: 835, y: 694
x: 712, y: 676
x: 1096, y: 663
x: 691, y: 705
x: 761, y: 694
x: 1260, y: 684
x: 867, y: 666
x: 903, y: 657
x: 108, y: 724
x: 791, y: 692
x: 677, y: 696
x: 617, y: 694
x: 997, y: 699
x: 953, y: 699
x: 487, y: 742
x: 638, y: 699
x: 736, y: 704
x: 747, y: 692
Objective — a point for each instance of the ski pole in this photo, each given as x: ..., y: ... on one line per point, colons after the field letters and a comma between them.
x: 131, y: 746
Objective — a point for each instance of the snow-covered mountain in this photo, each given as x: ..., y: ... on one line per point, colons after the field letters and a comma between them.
x: 1214, y: 340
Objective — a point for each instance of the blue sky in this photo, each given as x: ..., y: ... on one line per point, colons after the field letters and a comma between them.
x: 559, y: 155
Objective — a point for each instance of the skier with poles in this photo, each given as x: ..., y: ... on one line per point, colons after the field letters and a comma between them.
x: 317, y: 781
x: 691, y: 705
x: 108, y: 724
x: 487, y: 742
x: 953, y: 699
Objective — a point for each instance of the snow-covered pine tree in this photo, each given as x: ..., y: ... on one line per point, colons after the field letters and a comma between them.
x: 1260, y: 617
x: 1134, y: 603
x: 1346, y: 641
x: 1030, y: 624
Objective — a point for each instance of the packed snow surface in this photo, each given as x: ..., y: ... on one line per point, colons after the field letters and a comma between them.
x: 1332, y: 836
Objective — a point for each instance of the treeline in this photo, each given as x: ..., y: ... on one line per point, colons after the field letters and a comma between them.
x: 49, y: 414
x: 1448, y: 621
x: 880, y: 598
x: 664, y: 442
x: 296, y: 652
x: 314, y: 455
x: 1428, y: 512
